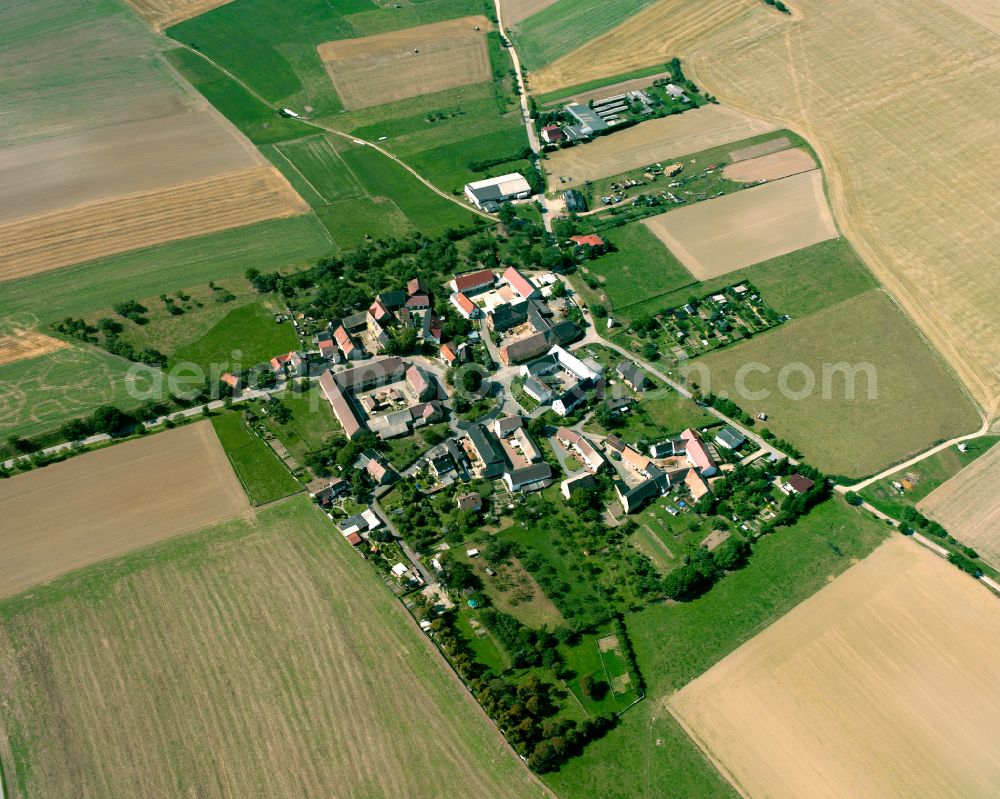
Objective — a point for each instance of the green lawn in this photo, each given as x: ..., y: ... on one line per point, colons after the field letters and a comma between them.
x: 905, y: 399
x: 640, y: 267
x: 250, y: 331
x: 264, y: 477
x: 38, y: 395
x: 401, y: 452
x: 351, y: 220
x: 312, y: 421
x: 925, y: 476
x: 567, y: 25
x: 677, y: 642
x: 447, y: 165
x: 280, y: 244
x: 316, y: 160
x: 429, y: 213
x: 659, y: 414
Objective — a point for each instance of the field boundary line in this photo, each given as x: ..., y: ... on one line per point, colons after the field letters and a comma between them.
x: 277, y: 149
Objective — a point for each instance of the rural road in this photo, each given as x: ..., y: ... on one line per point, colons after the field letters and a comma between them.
x: 529, y: 123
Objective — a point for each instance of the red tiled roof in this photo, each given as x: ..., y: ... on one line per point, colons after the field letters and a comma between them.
x: 471, y: 280
x: 591, y: 240
x: 353, y: 539
x: 464, y: 303
x: 448, y: 353
x: 519, y: 282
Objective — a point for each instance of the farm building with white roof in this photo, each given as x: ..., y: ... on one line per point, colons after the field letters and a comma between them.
x: 488, y: 194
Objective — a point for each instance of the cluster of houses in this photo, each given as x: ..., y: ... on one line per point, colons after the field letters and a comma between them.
x: 506, y: 450
x: 368, y: 332
x: 560, y: 378
x: 408, y: 398
x: 511, y: 304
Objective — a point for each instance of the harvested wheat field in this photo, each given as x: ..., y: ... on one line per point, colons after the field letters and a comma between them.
x: 250, y: 659
x: 107, y: 502
x: 724, y: 234
x: 515, y: 11
x: 162, y: 14
x: 911, y: 188
x: 757, y: 150
x: 652, y: 36
x: 118, y: 160
x: 650, y: 142
x: 406, y: 63
x: 968, y: 505
x: 23, y: 344
x: 105, y: 228
x: 770, y: 167
x: 880, y: 685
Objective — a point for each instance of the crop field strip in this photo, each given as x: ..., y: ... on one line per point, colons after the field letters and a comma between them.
x: 652, y: 141
x: 22, y: 344
x: 878, y: 686
x: 114, y: 226
x: 163, y: 13
x: 724, y: 234
x: 104, y: 503
x: 773, y: 166
x: 652, y: 35
x: 432, y: 58
x: 968, y: 505
x: 917, y: 398
x: 925, y: 232
x: 280, y: 666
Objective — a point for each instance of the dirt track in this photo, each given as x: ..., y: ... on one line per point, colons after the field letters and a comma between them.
x: 881, y: 685
x: 108, y: 502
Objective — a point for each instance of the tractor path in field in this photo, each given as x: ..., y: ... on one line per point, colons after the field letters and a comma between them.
x: 340, y: 133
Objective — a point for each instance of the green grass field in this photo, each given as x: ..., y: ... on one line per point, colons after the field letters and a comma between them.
x: 914, y: 401
x: 263, y: 475
x: 280, y: 244
x: 271, y: 45
x: 311, y: 424
x: 39, y: 394
x: 317, y: 162
x: 677, y: 642
x: 199, y: 648
x: 249, y: 330
x: 640, y: 267
x: 925, y: 476
x: 568, y: 24
x: 657, y: 415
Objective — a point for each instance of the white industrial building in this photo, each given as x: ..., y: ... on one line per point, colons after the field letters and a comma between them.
x: 488, y: 194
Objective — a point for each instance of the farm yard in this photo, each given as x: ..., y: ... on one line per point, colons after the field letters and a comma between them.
x: 650, y: 142
x: 112, y: 501
x: 968, y: 505
x: 279, y: 666
x: 926, y: 232
x: 879, y: 685
x: 432, y: 58
x: 729, y: 233
x: 916, y: 399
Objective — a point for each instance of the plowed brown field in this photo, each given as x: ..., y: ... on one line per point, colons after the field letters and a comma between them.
x: 968, y: 505
x: 770, y: 167
x: 107, y: 502
x: 393, y: 66
x: 127, y: 223
x: 24, y: 344
x: 881, y: 685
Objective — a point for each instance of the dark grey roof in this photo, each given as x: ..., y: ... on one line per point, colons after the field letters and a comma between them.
x: 537, y: 388
x: 574, y: 200
x: 509, y: 315
x: 543, y: 365
x: 531, y: 474
x: 587, y: 117
x: 483, y: 442
x: 734, y: 438
x: 632, y: 373
x: 392, y: 299
x: 355, y: 321
x: 565, y: 332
